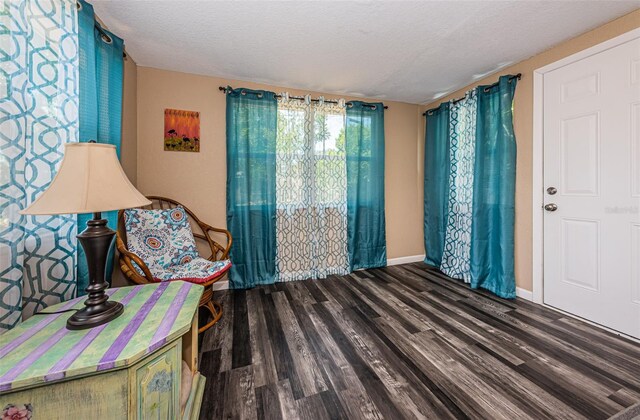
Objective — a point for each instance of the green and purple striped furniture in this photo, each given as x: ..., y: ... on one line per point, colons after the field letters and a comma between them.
x: 128, y: 368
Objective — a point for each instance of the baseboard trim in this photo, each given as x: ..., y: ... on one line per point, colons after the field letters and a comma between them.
x: 524, y: 294
x: 221, y: 285
x: 405, y: 260
x: 224, y: 285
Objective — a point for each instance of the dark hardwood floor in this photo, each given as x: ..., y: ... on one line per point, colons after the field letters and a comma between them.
x: 406, y: 342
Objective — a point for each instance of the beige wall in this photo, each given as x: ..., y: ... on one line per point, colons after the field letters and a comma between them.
x: 199, y: 179
x: 523, y: 126
x: 129, y: 145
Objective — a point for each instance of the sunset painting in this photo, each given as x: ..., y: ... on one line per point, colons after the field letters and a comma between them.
x: 181, y: 130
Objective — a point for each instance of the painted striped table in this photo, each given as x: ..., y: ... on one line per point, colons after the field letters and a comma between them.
x: 156, y: 320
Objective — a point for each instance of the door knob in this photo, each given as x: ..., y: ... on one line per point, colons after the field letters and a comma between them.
x: 551, y: 207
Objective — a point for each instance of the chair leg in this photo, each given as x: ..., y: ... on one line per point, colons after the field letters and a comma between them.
x: 216, y: 312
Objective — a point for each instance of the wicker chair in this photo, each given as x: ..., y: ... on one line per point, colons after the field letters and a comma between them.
x: 202, y: 232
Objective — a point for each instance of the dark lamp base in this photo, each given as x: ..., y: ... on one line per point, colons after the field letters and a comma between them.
x: 96, y: 240
x: 88, y: 318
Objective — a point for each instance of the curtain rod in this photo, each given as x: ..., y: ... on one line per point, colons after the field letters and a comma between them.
x: 301, y: 98
x: 105, y: 37
x: 486, y: 89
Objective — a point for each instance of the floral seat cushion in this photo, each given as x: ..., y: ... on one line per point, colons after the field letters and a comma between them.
x: 161, y: 238
x: 164, y: 241
x: 199, y: 270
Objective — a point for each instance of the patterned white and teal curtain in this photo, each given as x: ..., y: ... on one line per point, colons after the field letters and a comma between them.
x: 311, y: 190
x: 462, y: 140
x: 38, y: 115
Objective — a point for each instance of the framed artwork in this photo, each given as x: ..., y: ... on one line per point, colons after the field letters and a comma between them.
x: 181, y: 130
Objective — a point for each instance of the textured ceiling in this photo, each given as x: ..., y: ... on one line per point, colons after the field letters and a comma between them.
x: 395, y: 50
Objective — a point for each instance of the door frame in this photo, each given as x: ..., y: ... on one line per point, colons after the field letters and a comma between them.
x: 538, y: 151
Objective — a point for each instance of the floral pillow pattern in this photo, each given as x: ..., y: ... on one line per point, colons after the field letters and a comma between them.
x: 198, y: 271
x: 162, y: 238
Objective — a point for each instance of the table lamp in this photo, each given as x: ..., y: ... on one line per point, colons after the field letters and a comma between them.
x: 91, y: 180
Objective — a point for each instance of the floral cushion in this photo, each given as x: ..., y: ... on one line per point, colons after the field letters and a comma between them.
x: 161, y: 238
x: 164, y: 241
x: 198, y: 270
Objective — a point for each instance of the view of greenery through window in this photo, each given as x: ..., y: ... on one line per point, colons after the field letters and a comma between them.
x: 311, y: 161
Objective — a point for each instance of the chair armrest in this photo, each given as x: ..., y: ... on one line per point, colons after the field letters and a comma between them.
x: 126, y: 258
x: 225, y: 250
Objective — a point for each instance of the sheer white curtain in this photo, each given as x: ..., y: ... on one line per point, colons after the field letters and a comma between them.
x: 311, y: 190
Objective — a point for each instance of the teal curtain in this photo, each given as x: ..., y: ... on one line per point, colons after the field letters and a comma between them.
x: 492, y: 230
x: 101, y: 84
x: 364, y: 144
x: 436, y: 182
x: 251, y: 186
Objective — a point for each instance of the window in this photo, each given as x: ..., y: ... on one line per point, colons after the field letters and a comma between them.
x: 311, y: 191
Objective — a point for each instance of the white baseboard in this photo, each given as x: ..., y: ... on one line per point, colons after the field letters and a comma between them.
x: 406, y: 260
x: 224, y: 285
x: 221, y: 285
x: 524, y: 294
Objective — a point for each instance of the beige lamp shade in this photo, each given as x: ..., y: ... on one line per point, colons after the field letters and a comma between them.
x: 90, y: 179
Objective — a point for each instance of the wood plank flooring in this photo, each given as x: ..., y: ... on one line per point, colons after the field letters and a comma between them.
x: 407, y: 342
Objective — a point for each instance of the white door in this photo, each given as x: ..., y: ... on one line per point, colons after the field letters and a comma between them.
x: 592, y: 160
